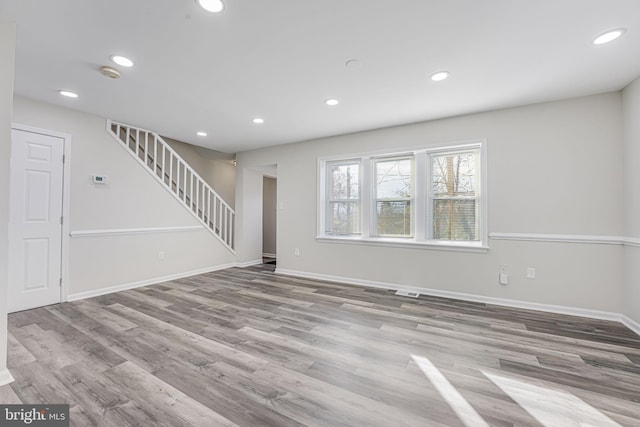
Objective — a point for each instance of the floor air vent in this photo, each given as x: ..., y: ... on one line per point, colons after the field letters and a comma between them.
x: 410, y: 294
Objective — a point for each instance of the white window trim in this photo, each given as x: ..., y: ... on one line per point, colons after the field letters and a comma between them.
x: 325, y: 202
x: 420, y: 199
x: 482, y: 233
x: 373, y: 214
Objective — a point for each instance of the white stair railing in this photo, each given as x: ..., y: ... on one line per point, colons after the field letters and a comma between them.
x: 162, y: 161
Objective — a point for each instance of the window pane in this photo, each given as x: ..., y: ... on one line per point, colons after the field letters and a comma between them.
x: 343, y: 181
x: 393, y: 179
x: 394, y: 218
x: 455, y: 174
x: 455, y: 219
x: 344, y: 218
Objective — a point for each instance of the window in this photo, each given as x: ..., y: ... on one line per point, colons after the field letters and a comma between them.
x: 343, y: 198
x: 454, y: 196
x: 432, y: 197
x: 393, y: 190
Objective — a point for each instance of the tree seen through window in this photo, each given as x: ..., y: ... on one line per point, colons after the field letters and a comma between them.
x: 455, y: 195
x: 393, y: 197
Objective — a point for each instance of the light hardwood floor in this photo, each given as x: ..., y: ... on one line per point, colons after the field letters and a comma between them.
x: 248, y: 347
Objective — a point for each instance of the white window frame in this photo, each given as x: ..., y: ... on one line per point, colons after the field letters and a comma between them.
x: 430, y: 197
x: 421, y: 210
x: 327, y: 200
x: 374, y: 196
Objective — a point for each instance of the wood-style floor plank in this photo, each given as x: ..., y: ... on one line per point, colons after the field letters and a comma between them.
x: 247, y: 347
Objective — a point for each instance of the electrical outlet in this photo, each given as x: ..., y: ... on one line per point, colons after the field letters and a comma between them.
x: 296, y: 251
x: 531, y: 273
x: 161, y: 256
x: 503, y: 275
x: 503, y: 279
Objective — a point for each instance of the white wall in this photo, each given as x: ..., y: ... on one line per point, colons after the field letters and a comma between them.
x: 631, y: 124
x: 7, y: 44
x: 214, y: 167
x: 132, y: 199
x: 553, y: 168
x: 248, y: 216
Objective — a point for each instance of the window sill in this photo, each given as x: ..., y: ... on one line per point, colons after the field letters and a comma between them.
x: 476, y: 247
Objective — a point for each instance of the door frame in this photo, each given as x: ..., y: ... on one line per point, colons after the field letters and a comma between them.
x: 66, y: 196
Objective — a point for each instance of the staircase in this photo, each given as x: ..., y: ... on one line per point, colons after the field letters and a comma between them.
x: 161, y: 161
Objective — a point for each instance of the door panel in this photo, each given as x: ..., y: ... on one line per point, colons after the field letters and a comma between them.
x: 36, y: 196
x: 36, y: 264
x: 35, y: 229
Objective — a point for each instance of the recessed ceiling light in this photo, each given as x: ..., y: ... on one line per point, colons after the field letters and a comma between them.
x: 258, y: 120
x: 68, y: 94
x: 439, y: 76
x: 201, y: 133
x: 332, y: 102
x: 214, y: 6
x: 121, y: 60
x: 609, y: 36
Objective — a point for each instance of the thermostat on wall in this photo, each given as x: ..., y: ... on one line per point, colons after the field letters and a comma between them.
x: 99, y: 179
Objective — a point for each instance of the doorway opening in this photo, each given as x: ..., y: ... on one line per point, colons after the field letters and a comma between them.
x: 269, y: 219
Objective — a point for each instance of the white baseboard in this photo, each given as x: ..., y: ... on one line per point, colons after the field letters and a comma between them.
x: 154, y: 281
x: 248, y: 263
x: 572, y: 311
x: 266, y: 255
x: 5, y: 377
x: 631, y: 324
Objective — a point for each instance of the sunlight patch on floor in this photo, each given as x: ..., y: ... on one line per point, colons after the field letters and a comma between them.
x: 456, y: 401
x: 551, y: 407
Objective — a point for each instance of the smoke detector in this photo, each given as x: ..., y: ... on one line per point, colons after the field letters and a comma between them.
x: 110, y: 72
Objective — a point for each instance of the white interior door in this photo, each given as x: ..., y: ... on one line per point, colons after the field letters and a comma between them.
x: 35, y: 222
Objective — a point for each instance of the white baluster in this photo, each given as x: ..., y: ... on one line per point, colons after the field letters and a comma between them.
x: 215, y: 215
x: 208, y: 209
x: 191, y: 190
x: 170, y: 171
x: 137, y: 143
x: 198, y: 198
x: 163, y: 166
x: 146, y: 148
x: 226, y: 221
x: 155, y: 156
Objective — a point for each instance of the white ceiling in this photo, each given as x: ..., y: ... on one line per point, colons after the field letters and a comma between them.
x: 281, y: 59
